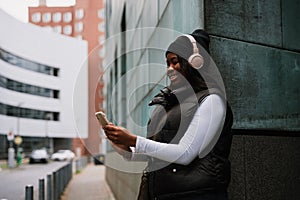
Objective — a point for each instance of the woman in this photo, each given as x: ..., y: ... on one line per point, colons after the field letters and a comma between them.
x: 189, y: 131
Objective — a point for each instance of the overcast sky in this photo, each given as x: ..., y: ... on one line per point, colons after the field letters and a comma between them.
x: 19, y: 8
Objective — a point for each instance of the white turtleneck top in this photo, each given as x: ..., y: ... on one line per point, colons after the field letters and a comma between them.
x: 199, y: 139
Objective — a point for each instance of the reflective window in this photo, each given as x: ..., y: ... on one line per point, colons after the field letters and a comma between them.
x: 101, y: 39
x: 57, y: 29
x: 15, y: 111
x: 57, y: 17
x: 79, y: 37
x: 67, y: 17
x: 78, y: 26
x: 101, y: 13
x: 101, y: 27
x: 27, y: 64
x: 46, y: 17
x: 36, y: 17
x: 27, y: 88
x: 79, y: 13
x: 101, y: 52
x: 68, y: 30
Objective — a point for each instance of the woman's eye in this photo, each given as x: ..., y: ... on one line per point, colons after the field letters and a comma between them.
x: 174, y: 62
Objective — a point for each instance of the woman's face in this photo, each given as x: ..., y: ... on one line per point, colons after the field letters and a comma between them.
x: 174, y: 71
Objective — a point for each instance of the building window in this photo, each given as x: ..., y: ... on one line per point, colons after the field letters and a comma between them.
x: 57, y: 29
x: 57, y: 17
x: 27, y: 88
x: 46, y: 17
x: 68, y: 30
x: 79, y: 37
x: 101, y: 52
x: 79, y: 13
x: 27, y: 64
x: 36, y: 17
x: 101, y: 27
x: 16, y: 111
x: 67, y: 17
x: 101, y: 13
x: 101, y: 39
x: 79, y: 27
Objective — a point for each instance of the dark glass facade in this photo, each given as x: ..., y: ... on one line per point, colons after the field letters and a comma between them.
x: 16, y: 111
x: 27, y: 88
x: 27, y: 64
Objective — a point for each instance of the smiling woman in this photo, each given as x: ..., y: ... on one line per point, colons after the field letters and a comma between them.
x: 189, y: 131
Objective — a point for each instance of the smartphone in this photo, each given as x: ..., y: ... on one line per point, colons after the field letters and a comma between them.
x: 102, y: 118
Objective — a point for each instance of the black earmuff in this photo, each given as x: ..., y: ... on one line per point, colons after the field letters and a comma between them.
x: 195, y: 60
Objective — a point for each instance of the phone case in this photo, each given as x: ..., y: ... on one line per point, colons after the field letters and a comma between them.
x: 102, y: 118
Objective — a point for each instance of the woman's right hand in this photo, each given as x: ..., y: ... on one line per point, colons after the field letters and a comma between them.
x: 120, y: 136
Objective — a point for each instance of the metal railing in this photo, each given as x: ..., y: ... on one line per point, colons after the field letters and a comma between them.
x: 56, y: 181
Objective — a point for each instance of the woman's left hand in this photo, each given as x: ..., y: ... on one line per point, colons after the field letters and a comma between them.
x: 119, y: 135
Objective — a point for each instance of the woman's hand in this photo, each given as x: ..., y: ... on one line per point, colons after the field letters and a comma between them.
x: 120, y: 136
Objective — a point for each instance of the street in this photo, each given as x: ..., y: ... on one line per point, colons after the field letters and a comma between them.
x: 13, y: 181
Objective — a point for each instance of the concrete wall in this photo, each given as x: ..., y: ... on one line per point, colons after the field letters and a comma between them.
x: 255, y: 47
x: 251, y: 45
x: 264, y: 166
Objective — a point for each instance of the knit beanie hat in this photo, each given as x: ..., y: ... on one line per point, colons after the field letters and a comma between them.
x: 183, y: 47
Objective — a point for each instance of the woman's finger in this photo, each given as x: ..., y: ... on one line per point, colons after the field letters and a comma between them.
x: 110, y: 127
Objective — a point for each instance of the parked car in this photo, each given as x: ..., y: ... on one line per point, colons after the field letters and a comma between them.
x: 39, y: 155
x: 62, y: 155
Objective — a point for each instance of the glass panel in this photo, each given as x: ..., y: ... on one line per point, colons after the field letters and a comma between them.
x: 101, y: 27
x: 68, y: 29
x: 79, y: 13
x: 57, y: 17
x: 15, y: 111
x: 101, y: 13
x: 36, y: 17
x: 79, y: 27
x: 67, y: 17
x: 46, y: 17
x: 57, y: 29
x: 27, y: 64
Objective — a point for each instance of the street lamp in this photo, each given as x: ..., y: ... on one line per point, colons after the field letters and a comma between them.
x: 18, y: 139
x: 11, y: 150
x: 18, y: 117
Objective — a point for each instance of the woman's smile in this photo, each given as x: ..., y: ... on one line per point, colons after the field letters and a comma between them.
x: 172, y: 76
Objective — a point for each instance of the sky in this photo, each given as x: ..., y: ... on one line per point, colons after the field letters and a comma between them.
x: 19, y: 8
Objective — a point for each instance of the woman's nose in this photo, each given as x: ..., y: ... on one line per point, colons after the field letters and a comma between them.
x: 170, y: 67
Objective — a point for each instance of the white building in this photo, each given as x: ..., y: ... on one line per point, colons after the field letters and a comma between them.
x: 43, y: 83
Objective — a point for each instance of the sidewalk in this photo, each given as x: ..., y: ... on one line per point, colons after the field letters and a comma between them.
x: 89, y: 184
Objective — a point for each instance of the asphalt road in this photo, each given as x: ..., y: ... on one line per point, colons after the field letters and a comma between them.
x: 14, y: 181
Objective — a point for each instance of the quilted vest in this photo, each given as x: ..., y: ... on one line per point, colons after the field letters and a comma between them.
x: 168, y: 123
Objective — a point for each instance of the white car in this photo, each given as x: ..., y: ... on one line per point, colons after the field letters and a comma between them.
x: 39, y: 155
x: 62, y: 155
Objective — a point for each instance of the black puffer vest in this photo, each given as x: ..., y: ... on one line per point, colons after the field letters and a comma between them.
x: 169, y: 121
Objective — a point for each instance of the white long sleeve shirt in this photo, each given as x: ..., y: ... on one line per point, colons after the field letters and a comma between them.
x: 199, y: 139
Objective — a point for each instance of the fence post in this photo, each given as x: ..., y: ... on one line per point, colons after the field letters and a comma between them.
x: 49, y: 187
x: 54, y: 184
x: 41, y: 189
x: 29, y: 192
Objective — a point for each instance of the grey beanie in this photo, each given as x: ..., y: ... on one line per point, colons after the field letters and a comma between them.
x: 183, y: 47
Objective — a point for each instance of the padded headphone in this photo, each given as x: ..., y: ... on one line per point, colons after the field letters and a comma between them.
x: 195, y: 60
